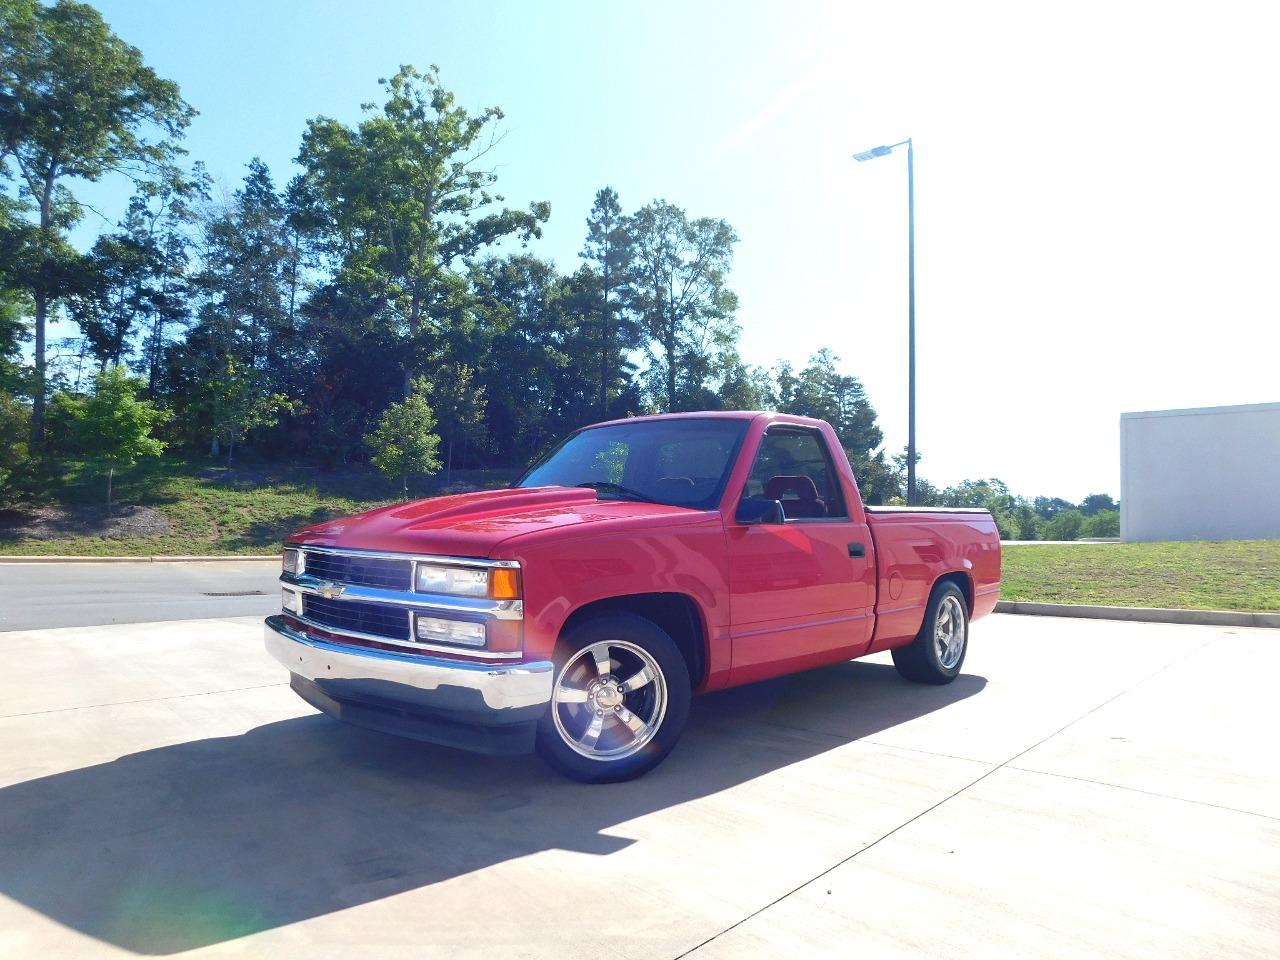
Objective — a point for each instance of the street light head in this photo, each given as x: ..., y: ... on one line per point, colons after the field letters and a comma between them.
x: 871, y: 154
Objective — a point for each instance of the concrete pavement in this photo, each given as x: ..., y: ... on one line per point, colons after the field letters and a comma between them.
x: 38, y: 595
x: 1084, y: 789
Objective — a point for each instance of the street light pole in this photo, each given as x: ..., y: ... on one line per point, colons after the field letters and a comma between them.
x: 911, y: 324
x: 911, y: 301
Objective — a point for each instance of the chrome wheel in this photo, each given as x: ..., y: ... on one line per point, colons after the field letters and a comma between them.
x: 609, y: 700
x: 949, y: 632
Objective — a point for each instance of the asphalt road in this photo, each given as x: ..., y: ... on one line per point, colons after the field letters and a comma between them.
x: 1084, y: 789
x: 34, y: 596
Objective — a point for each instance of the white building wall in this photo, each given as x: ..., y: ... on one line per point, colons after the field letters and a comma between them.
x: 1206, y: 474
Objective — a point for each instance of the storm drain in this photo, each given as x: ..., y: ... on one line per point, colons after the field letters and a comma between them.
x: 237, y: 593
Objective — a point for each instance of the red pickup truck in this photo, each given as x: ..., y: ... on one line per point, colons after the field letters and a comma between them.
x: 639, y: 562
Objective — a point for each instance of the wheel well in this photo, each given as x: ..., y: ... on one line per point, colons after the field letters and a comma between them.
x: 675, y: 613
x: 964, y: 582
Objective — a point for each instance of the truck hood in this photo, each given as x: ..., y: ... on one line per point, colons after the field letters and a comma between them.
x: 474, y: 524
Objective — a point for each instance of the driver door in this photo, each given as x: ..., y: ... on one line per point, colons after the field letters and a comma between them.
x: 799, y: 596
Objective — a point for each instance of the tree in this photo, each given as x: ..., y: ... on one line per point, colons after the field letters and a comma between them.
x: 1096, y: 502
x: 15, y: 425
x: 1104, y: 523
x: 458, y: 405
x: 76, y: 102
x: 744, y: 387
x: 608, y: 253
x: 821, y: 391
x: 975, y: 493
x: 405, y: 441
x: 678, y: 290
x: 13, y: 302
x: 1026, y: 523
x: 117, y: 295
x: 528, y: 373
x: 404, y: 202
x: 1049, y: 507
x: 240, y: 399
x: 113, y: 424
x: 1065, y: 525
x: 247, y: 268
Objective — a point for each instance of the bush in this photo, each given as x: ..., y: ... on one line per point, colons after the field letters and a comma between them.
x: 1104, y: 523
x: 113, y: 425
x: 15, y: 425
x: 405, y: 441
x: 1065, y: 525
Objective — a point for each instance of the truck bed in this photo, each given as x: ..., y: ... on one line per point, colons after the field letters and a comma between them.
x: 917, y: 545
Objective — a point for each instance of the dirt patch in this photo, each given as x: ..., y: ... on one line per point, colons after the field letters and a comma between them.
x: 60, y: 523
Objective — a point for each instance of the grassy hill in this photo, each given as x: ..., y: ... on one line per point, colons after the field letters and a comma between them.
x: 173, y: 507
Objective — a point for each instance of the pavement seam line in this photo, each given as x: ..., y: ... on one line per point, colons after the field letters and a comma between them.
x: 947, y: 799
x: 927, y: 753
x: 1148, y: 793
x: 125, y: 703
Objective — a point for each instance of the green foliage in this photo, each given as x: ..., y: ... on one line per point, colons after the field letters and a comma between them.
x: 609, y: 251
x: 1048, y: 507
x: 458, y: 405
x: 1095, y: 502
x: 15, y: 423
x: 1064, y: 525
x: 76, y: 102
x: 820, y: 390
x: 113, y: 425
x: 403, y: 201
x: 679, y: 292
x: 1104, y: 523
x: 1026, y: 523
x: 215, y: 509
x: 405, y: 441
x: 239, y: 400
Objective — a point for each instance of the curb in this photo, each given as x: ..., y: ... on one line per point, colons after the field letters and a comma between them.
x: 1215, y: 618
x: 142, y: 559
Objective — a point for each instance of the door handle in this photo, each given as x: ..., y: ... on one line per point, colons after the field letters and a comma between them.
x: 857, y: 550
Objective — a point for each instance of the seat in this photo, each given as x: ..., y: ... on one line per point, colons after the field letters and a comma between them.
x: 799, y: 497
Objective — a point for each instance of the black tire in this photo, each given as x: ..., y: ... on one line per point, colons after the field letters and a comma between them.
x: 921, y: 660
x: 634, y: 648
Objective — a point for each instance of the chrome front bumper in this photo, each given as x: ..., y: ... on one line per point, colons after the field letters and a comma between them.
x: 410, y: 695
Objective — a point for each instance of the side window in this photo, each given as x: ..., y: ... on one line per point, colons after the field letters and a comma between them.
x: 793, y: 466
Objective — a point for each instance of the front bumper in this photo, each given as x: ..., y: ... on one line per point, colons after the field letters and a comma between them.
x: 493, y: 708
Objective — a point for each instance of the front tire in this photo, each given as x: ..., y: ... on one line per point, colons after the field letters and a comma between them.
x: 937, y: 653
x: 619, y: 702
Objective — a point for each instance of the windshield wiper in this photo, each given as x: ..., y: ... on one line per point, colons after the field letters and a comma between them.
x: 598, y: 485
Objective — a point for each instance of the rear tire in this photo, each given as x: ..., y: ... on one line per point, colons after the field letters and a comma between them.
x: 619, y: 702
x: 937, y: 653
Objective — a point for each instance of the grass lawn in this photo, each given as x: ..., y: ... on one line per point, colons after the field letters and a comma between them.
x: 213, y: 509
x: 1205, y: 575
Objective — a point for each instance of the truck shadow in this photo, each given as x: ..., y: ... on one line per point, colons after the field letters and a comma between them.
x: 200, y: 843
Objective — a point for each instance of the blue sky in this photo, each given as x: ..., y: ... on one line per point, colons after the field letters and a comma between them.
x: 1095, y: 188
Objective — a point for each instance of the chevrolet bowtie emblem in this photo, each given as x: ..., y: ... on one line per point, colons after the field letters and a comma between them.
x: 330, y: 591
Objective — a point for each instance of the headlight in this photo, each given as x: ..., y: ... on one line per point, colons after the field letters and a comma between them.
x: 498, y: 583
x: 440, y: 630
x: 293, y: 561
x: 291, y: 601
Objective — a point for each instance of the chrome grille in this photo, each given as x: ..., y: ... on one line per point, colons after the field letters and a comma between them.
x: 380, y: 572
x: 375, y: 619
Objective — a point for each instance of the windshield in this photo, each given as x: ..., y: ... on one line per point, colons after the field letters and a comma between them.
x: 681, y: 462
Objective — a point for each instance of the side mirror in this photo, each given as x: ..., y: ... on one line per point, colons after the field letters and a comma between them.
x: 755, y: 510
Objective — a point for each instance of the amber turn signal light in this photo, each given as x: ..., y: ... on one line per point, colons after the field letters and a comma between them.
x: 504, y: 583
